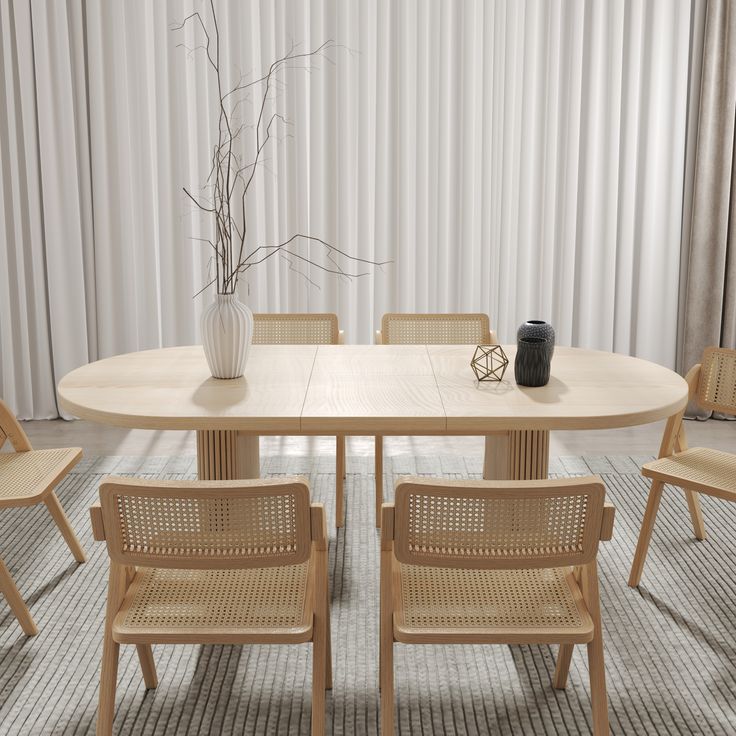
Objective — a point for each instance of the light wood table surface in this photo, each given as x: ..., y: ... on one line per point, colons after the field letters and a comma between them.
x: 369, y: 389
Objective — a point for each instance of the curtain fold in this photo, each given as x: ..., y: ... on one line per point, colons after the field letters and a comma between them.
x: 709, y: 300
x: 516, y: 157
x: 45, y: 192
x: 61, y: 100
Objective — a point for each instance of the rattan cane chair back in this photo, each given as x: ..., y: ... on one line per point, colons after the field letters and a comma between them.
x: 717, y: 385
x: 200, y: 525
x: 295, y: 329
x: 435, y: 329
x: 503, y: 525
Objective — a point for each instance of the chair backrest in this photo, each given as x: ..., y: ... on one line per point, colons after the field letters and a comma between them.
x: 295, y: 329
x: 435, y: 329
x: 717, y: 383
x: 206, y: 524
x: 498, y: 524
x: 10, y: 429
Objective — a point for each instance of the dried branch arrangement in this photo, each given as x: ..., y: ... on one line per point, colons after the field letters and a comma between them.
x: 223, y: 197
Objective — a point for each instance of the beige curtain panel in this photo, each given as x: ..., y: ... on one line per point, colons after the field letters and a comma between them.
x: 709, y: 311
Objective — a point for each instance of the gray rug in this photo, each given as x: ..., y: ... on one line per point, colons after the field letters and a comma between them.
x: 670, y: 647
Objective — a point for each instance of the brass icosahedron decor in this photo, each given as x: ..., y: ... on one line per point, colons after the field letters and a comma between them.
x: 489, y: 363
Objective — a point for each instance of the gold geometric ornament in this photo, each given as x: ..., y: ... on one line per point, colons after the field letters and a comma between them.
x: 489, y: 363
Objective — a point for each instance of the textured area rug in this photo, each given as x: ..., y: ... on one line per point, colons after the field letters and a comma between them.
x: 670, y: 647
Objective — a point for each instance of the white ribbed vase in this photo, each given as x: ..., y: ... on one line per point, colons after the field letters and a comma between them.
x: 227, y: 332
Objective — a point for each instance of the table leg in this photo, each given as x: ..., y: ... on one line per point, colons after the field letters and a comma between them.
x: 224, y: 454
x: 520, y: 454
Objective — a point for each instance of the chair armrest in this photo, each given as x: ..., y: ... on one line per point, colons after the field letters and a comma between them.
x: 341, y: 337
x: 378, y: 338
x: 609, y: 514
x: 319, y: 526
x: 494, y: 338
x: 98, y: 527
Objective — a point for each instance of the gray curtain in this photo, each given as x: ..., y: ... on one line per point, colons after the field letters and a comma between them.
x: 708, y: 315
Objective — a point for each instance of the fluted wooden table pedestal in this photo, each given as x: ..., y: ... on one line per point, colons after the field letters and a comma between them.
x: 226, y: 454
x: 521, y: 454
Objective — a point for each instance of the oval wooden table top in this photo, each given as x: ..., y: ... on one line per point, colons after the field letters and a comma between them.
x: 369, y: 389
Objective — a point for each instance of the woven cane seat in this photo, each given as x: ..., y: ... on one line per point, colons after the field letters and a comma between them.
x: 699, y: 469
x: 453, y: 605
x: 25, y: 477
x: 217, y: 606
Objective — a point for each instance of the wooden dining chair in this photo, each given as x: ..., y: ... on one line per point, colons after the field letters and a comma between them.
x: 311, y: 328
x: 712, y: 384
x: 494, y: 562
x: 212, y: 562
x: 28, y: 477
x: 427, y: 329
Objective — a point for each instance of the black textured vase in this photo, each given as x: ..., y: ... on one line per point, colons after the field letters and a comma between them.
x: 532, y: 364
x: 538, y: 328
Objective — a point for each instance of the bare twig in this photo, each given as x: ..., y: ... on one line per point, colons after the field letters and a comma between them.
x: 298, y: 272
x: 224, y: 195
x: 329, y: 246
x: 201, y: 206
x: 204, y: 29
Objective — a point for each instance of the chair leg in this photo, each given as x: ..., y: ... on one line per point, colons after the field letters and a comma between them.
x: 110, y: 650
x: 16, y: 602
x: 328, y: 649
x: 647, y: 525
x: 598, y: 697
x: 108, y: 684
x: 696, y: 514
x: 386, y: 677
x: 54, y: 507
x: 379, y: 478
x: 386, y: 629
x: 564, y: 655
x: 145, y: 653
x: 148, y: 666
x: 340, y: 482
x: 319, y: 667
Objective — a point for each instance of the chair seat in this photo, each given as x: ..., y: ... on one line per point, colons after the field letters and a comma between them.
x: 25, y: 477
x: 256, y: 605
x: 699, y: 469
x: 448, y: 605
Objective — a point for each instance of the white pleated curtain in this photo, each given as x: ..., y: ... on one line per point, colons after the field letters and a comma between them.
x: 519, y: 158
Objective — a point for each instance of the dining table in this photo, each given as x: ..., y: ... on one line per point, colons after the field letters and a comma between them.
x: 369, y: 390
